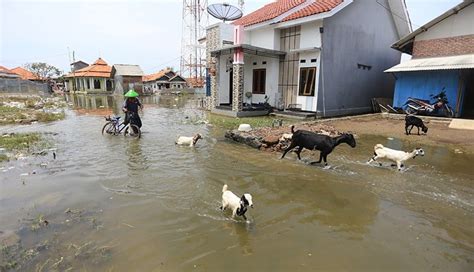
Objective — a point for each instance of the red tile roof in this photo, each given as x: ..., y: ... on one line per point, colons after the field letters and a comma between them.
x: 279, y: 7
x: 25, y: 74
x: 319, y: 6
x: 98, y: 69
x: 4, y: 71
x: 156, y: 76
x: 268, y: 12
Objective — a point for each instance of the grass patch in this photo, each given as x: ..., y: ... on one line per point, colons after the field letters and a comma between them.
x: 10, y: 115
x: 31, y: 111
x: 19, y: 141
x: 3, y: 158
x: 233, y: 122
x: 49, y: 117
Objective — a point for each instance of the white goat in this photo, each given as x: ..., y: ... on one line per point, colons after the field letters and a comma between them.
x: 191, y: 141
x: 286, y: 137
x: 395, y: 155
x: 237, y: 205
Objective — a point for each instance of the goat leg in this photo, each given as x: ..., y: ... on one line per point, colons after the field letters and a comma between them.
x: 320, y: 159
x: 325, y: 159
x: 418, y: 130
x: 399, y: 165
x: 406, y: 129
x: 291, y: 146
x: 299, y: 151
x: 245, y: 217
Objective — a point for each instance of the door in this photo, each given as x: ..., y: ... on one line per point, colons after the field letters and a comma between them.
x: 467, y: 110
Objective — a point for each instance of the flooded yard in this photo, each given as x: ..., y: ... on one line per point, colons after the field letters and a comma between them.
x: 110, y: 203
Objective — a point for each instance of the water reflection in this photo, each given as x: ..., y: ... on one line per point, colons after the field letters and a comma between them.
x: 137, y: 162
x: 242, y: 231
x: 97, y: 103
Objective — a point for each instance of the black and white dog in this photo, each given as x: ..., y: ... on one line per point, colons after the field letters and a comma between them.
x: 237, y: 205
x: 414, y: 121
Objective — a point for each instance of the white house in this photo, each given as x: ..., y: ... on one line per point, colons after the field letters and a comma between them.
x: 163, y: 80
x: 321, y: 56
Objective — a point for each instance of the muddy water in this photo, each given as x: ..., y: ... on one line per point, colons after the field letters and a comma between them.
x: 120, y: 204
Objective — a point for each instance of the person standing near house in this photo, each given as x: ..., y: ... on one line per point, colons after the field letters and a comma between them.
x: 130, y: 107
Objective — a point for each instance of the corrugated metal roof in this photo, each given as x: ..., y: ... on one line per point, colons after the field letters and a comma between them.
x: 431, y: 64
x: 127, y: 70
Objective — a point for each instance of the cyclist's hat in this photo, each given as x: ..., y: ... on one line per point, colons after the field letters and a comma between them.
x: 131, y: 93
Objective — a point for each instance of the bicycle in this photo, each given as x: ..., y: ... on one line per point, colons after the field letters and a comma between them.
x: 114, y: 127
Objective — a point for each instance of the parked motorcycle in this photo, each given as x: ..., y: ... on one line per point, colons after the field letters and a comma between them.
x: 439, y: 107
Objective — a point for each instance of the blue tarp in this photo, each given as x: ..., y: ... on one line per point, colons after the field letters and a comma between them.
x: 422, y: 84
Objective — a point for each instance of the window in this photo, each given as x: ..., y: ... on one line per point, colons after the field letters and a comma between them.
x: 258, y: 85
x: 96, y: 84
x: 88, y: 83
x: 307, y: 81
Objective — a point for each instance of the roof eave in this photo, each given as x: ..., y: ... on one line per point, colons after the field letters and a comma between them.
x: 278, y: 23
x: 405, y: 40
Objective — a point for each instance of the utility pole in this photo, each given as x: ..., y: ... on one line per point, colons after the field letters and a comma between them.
x: 195, y: 20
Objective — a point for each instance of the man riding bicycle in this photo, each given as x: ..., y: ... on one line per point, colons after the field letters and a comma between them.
x: 130, y: 107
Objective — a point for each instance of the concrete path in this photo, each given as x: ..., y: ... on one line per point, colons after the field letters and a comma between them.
x: 462, y: 124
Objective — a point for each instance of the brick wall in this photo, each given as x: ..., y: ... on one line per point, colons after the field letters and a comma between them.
x: 452, y: 46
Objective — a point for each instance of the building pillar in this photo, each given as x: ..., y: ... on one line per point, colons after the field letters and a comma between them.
x: 238, y: 87
x: 214, y: 76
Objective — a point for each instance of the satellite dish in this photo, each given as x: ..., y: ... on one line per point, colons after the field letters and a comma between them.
x: 224, y: 12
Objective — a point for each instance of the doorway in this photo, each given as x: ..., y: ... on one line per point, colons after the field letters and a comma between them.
x: 467, y: 110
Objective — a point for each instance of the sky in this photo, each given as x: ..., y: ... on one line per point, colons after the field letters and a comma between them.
x: 143, y: 32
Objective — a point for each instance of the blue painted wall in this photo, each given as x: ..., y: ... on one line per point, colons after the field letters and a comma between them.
x: 424, y: 83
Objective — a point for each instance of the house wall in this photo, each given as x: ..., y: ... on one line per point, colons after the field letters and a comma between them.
x: 135, y: 82
x: 271, y: 81
x: 81, y: 85
x: 223, y: 79
x: 267, y: 37
x: 310, y: 37
x: 422, y: 84
x: 119, y: 88
x: 226, y: 33
x: 309, y: 103
x: 459, y: 24
x: 361, y: 33
x: 452, y: 46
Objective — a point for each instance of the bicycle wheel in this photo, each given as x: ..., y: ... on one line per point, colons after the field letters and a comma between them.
x: 132, y: 131
x: 109, y: 128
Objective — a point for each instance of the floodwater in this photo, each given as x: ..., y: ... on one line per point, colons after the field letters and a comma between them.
x: 119, y: 204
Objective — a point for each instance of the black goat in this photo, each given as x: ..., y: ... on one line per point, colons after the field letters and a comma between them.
x: 312, y: 141
x: 414, y: 121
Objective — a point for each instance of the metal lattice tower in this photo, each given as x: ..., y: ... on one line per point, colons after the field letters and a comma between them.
x: 193, y: 54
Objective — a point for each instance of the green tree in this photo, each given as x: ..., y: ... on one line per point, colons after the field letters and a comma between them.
x: 43, y: 70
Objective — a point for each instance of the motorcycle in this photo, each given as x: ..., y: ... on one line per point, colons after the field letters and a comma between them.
x: 424, y: 107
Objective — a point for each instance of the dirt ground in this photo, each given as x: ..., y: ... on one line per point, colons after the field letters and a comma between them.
x: 438, y: 131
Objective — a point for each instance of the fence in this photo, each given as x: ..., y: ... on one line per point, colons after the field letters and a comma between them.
x: 13, y: 85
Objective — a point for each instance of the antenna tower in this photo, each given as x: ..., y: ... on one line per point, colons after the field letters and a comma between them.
x: 193, y: 54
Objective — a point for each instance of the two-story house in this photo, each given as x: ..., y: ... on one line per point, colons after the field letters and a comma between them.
x: 322, y: 56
